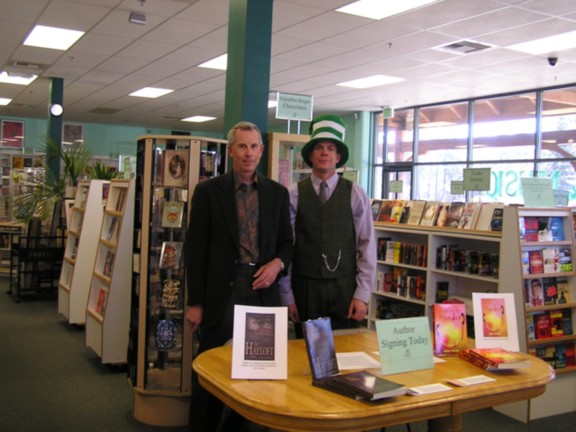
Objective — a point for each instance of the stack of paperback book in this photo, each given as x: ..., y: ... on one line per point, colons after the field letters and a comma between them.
x: 494, y: 358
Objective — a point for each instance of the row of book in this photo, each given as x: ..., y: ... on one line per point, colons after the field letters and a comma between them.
x: 546, y: 291
x: 558, y: 356
x: 452, y: 258
x: 547, y: 260
x: 541, y: 228
x: 549, y: 324
x: 391, y: 309
x: 402, y: 252
x: 402, y: 284
x: 461, y: 215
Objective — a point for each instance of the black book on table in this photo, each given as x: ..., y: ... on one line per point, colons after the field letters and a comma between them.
x: 363, y: 385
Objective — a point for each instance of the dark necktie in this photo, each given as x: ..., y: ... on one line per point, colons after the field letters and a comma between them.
x: 248, y: 216
x: 323, y: 192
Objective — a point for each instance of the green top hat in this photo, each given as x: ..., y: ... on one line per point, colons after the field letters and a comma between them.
x: 326, y: 128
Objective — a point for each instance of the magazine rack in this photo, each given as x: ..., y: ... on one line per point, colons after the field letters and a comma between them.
x: 36, y: 258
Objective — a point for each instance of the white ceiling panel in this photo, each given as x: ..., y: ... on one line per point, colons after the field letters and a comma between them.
x: 313, y: 48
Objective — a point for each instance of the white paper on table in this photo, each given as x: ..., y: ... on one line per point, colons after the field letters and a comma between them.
x: 356, y: 360
x: 427, y: 389
x: 471, y: 380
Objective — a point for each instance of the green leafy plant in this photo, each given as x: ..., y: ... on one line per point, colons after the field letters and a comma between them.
x: 44, y: 190
x: 101, y: 171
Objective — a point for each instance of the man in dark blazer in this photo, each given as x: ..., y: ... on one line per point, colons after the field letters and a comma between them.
x: 239, y: 243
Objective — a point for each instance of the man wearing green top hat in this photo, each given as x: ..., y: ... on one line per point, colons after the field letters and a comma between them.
x: 334, y: 261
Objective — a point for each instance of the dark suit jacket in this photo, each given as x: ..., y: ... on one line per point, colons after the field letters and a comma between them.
x: 212, y: 245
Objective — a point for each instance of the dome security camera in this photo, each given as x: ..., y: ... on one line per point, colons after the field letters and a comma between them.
x: 552, y: 61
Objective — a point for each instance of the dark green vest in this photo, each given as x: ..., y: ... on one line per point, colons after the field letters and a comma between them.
x: 325, y: 237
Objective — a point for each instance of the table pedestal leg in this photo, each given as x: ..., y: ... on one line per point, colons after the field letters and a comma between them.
x: 446, y: 424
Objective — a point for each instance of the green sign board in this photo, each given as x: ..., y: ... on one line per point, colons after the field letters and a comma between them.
x: 457, y: 187
x: 537, y: 192
x: 294, y: 107
x: 396, y: 186
x: 477, y: 179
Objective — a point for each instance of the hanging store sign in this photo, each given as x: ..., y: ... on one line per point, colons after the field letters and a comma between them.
x: 294, y: 107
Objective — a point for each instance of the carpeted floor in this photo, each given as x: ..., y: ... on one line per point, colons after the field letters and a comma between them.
x: 51, y: 382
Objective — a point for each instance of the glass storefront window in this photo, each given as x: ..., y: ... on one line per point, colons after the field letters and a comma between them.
x: 558, y: 123
x: 432, y: 182
x: 443, y: 133
x: 563, y: 175
x: 399, y: 137
x: 504, y: 128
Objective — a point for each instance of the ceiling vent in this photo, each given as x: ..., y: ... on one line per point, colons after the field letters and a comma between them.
x: 104, y: 111
x: 32, y: 67
x: 464, y: 47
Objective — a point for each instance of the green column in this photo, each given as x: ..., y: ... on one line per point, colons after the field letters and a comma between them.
x: 248, y: 70
x: 55, y: 122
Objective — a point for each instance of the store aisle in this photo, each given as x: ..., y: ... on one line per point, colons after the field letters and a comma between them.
x: 51, y: 382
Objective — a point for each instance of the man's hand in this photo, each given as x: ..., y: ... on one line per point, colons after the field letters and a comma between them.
x: 194, y: 317
x: 357, y: 310
x: 267, y: 274
x: 293, y: 313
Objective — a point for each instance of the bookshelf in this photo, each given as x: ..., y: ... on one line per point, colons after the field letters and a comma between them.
x: 81, y: 246
x: 160, y: 343
x: 108, y: 304
x: 527, y: 233
x: 413, y: 261
x: 285, y: 163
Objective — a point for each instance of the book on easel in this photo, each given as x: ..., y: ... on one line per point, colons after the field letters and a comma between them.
x: 361, y: 385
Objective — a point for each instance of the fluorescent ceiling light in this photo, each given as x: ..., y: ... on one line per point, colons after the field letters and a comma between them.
x: 5, y: 101
x: 52, y: 37
x: 556, y: 43
x: 371, y: 81
x: 7, y: 78
x: 151, y: 92
x: 219, y: 63
x: 198, y: 119
x: 378, y: 9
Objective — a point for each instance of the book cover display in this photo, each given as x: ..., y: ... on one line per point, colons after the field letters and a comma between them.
x: 176, y: 168
x: 498, y: 327
x: 450, y: 335
x: 260, y: 343
x: 319, y: 341
x: 170, y: 255
x: 172, y: 214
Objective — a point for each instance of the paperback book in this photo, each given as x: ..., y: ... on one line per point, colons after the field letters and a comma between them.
x: 469, y: 216
x: 430, y: 213
x: 170, y: 255
x: 416, y: 212
x: 172, y: 214
x: 454, y: 214
x: 450, y: 336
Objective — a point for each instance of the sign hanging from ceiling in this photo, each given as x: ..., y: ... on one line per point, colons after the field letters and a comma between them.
x: 294, y: 107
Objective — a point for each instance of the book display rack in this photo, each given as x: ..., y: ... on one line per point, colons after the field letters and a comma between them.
x: 160, y: 342
x: 81, y: 245
x: 538, y: 244
x: 108, y: 304
x: 421, y: 265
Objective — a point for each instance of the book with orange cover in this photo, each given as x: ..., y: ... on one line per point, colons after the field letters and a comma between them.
x: 494, y: 358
